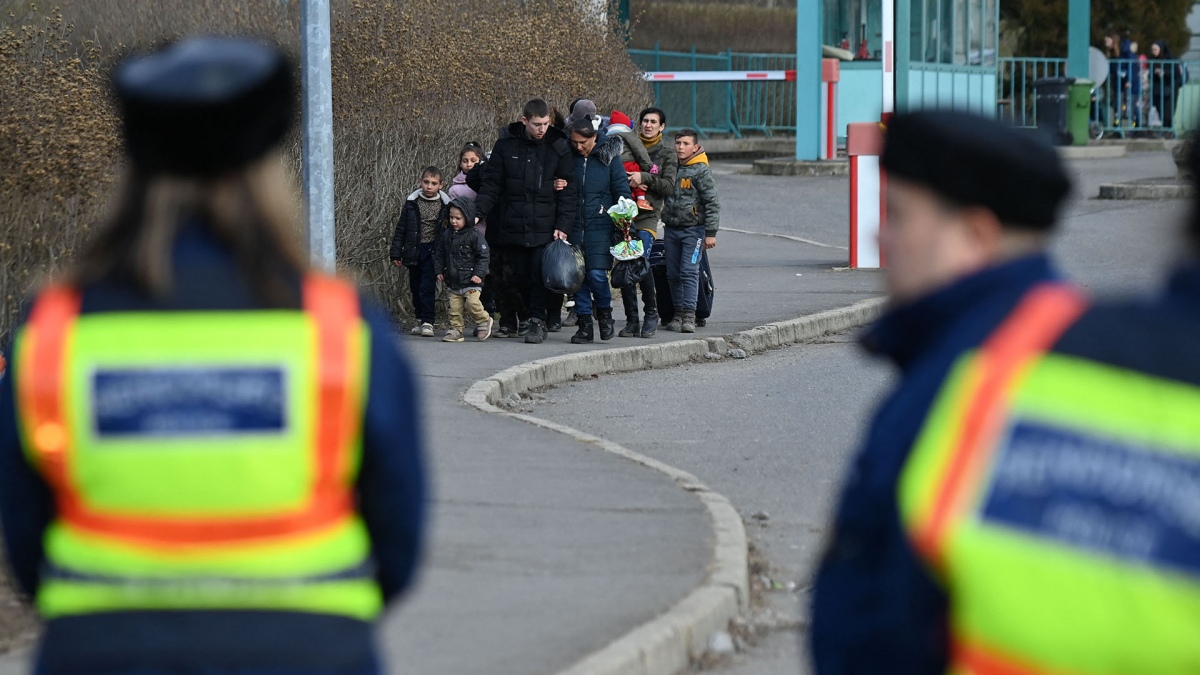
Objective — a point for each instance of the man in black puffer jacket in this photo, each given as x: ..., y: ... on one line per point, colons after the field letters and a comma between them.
x: 520, y: 176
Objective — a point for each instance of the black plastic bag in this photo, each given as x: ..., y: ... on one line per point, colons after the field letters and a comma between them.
x: 629, y: 272
x: 562, y: 267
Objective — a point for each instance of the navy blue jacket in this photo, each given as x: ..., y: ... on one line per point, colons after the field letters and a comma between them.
x: 602, y: 181
x: 875, y: 608
x: 391, y: 498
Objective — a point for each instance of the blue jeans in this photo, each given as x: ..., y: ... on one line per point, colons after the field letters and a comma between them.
x: 684, y: 246
x: 422, y: 282
x: 594, y: 294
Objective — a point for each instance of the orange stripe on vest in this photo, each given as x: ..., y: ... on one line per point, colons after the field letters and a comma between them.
x: 1041, y: 318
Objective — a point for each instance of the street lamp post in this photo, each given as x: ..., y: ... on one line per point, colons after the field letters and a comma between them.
x: 317, y: 132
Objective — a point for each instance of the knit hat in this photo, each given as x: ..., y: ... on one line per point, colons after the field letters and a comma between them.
x: 583, y: 108
x: 618, y: 117
x: 204, y: 106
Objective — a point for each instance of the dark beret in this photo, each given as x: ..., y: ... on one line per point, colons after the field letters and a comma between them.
x: 204, y: 106
x: 978, y: 161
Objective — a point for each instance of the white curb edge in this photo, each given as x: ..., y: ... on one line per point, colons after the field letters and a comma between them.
x: 667, y: 644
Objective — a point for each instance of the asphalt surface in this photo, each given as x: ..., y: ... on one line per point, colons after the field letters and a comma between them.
x: 774, y: 432
x: 544, y: 550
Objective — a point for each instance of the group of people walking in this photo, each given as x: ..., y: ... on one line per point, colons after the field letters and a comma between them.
x: 552, y: 177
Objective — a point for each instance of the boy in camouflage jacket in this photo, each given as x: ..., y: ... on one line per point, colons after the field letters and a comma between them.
x: 691, y: 218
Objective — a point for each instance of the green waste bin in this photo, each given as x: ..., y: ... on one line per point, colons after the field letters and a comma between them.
x: 1079, y: 110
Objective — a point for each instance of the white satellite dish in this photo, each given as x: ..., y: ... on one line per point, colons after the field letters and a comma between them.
x: 1097, y: 66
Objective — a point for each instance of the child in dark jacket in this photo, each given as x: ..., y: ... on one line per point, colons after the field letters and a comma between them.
x: 461, y: 262
x: 413, y: 241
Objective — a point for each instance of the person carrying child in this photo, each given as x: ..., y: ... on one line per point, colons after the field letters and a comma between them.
x: 633, y: 154
x: 692, y: 218
x: 413, y: 241
x: 461, y: 261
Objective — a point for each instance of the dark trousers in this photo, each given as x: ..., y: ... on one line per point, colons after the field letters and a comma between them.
x: 503, y: 293
x: 649, y: 292
x: 526, y: 265
x: 422, y: 282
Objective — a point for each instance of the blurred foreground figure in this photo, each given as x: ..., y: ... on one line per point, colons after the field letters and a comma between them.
x: 209, y: 454
x: 971, y: 203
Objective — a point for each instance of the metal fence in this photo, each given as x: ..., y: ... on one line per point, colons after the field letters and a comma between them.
x: 1137, y: 97
x: 723, y: 107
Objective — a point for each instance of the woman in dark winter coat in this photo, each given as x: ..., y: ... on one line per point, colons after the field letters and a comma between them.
x: 1166, y: 77
x: 601, y: 181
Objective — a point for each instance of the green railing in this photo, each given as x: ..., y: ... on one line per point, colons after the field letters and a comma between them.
x: 1151, y: 97
x: 730, y: 108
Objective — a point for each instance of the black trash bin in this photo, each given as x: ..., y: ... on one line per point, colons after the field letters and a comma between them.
x: 1052, y: 94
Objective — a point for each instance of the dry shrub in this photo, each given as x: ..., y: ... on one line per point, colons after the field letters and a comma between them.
x: 712, y: 27
x: 413, y: 80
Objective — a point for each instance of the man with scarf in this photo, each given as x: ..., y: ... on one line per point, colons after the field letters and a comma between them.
x: 658, y: 185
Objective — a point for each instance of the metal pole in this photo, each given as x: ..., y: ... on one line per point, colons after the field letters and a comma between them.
x: 808, y: 79
x: 318, y: 132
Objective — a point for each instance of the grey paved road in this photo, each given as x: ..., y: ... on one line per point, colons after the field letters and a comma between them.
x: 774, y: 432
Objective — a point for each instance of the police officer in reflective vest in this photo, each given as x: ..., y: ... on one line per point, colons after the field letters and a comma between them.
x: 209, y: 454
x: 971, y: 203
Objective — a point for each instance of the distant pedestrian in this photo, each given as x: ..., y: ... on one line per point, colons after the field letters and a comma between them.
x: 1167, y: 76
x: 658, y: 183
x: 971, y: 204
x: 417, y: 229
x: 461, y: 261
x: 691, y: 218
x: 520, y: 175
x: 1131, y: 77
x: 602, y: 181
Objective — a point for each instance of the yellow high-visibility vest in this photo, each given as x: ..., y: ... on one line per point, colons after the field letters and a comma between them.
x: 200, y: 460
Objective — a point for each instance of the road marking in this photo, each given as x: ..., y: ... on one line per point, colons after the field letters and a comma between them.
x: 789, y: 237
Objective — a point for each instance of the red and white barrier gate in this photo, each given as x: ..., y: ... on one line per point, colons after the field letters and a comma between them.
x: 721, y: 76
x: 868, y: 187
x: 831, y: 72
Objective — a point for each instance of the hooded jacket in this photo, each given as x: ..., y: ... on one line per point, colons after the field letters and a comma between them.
x: 602, y: 181
x: 461, y: 254
x: 406, y: 239
x: 694, y: 200
x: 519, y: 176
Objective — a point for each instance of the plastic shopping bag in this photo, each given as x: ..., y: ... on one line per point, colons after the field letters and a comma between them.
x: 562, y: 267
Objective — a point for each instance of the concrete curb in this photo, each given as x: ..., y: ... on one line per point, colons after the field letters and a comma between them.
x: 1163, y: 188
x: 786, y: 166
x: 1092, y: 151
x: 667, y: 644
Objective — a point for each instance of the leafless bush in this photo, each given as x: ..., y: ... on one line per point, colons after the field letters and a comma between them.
x: 413, y: 80
x: 713, y: 27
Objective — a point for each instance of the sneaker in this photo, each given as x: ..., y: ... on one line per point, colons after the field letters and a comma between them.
x: 701, y: 323
x: 453, y: 335
x: 484, y: 332
x: 688, y: 323
x: 674, y: 325
x: 522, y: 329
x: 554, y: 325
x: 536, y: 334
x: 426, y: 330
x: 506, y: 332
x: 416, y: 330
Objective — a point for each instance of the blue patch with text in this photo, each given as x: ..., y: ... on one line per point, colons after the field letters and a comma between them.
x: 189, y: 401
x: 1121, y: 499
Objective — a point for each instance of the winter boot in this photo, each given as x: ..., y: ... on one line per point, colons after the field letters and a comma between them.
x: 632, y: 326
x: 687, y: 323
x: 650, y: 326
x: 584, y: 334
x: 608, y: 327
x: 675, y: 323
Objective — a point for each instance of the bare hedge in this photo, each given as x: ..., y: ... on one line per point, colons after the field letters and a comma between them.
x: 413, y: 80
